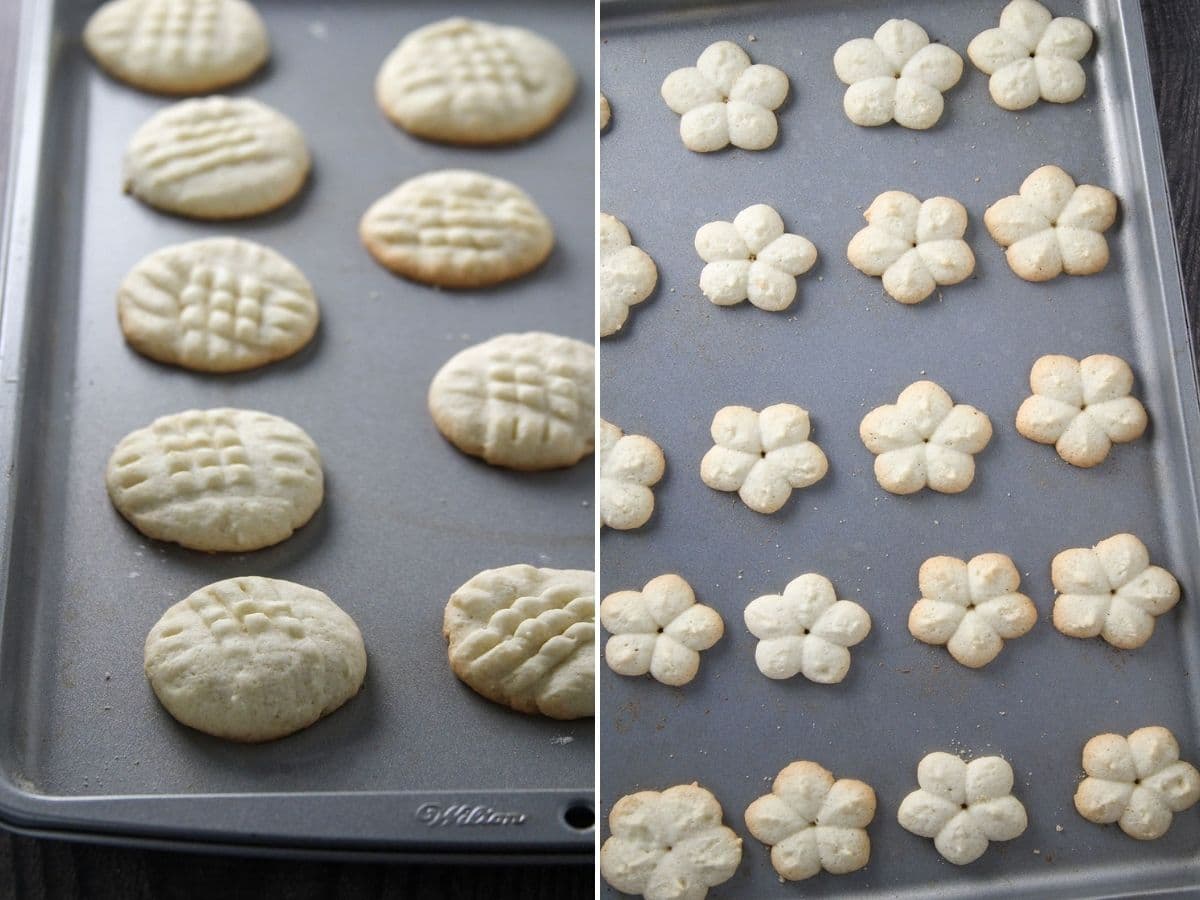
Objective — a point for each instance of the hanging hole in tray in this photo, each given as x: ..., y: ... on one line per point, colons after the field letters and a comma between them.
x: 580, y: 816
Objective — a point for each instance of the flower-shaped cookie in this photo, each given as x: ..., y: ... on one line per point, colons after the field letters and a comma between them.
x: 963, y: 806
x: 1112, y: 591
x: 806, y: 629
x: 762, y: 455
x: 1138, y: 782
x: 1052, y: 226
x: 752, y: 258
x: 812, y: 822
x: 1083, y: 407
x: 897, y: 75
x: 669, y: 846
x: 971, y: 607
x: 629, y: 465
x: 914, y: 246
x: 1032, y: 55
x: 925, y: 439
x: 627, y: 274
x: 660, y: 629
x: 725, y: 100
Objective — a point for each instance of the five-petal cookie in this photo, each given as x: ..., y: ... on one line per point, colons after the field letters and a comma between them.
x: 1083, y: 407
x: 806, y: 629
x: 1053, y: 226
x: 1032, y: 55
x: 1112, y: 591
x: 725, y: 100
x: 630, y: 465
x: 971, y: 607
x: 1138, y: 782
x: 627, y: 274
x: 762, y: 455
x: 752, y: 258
x: 897, y: 75
x: 812, y: 822
x: 963, y: 806
x: 660, y: 629
x: 669, y: 845
x: 914, y: 246
x: 925, y: 439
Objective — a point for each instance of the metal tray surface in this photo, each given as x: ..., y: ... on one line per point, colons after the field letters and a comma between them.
x: 84, y: 746
x: 845, y: 348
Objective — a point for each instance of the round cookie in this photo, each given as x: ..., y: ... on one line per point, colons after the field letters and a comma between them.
x: 254, y: 659
x: 463, y: 81
x: 216, y: 305
x: 216, y: 158
x: 177, y: 46
x: 522, y: 401
x: 218, y: 479
x: 526, y: 638
x: 457, y: 228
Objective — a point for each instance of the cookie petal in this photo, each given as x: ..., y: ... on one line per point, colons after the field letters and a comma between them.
x: 1101, y: 801
x: 873, y: 250
x: 1059, y: 79
x: 824, y: 662
x: 871, y: 102
x: 918, y: 105
x: 845, y: 623
x: 797, y: 857
x: 705, y: 128
x: 945, y: 578
x: 901, y: 471
x: 790, y: 253
x: 782, y: 425
x: 1081, y: 615
x: 765, y: 490
x: 780, y: 658
x: 1104, y: 378
x: 1083, y: 252
x: 625, y: 505
x: 1015, y: 86
x: 722, y: 64
x: 1002, y: 819
x: 760, y: 85
x: 1038, y: 257
x: 935, y: 65
x: 900, y: 39
x: 994, y: 49
x: 1048, y: 190
x: 800, y: 465
x: 1026, y: 21
x: 843, y: 850
x: 1010, y: 615
x: 925, y: 814
x: 948, y: 261
x: 1178, y: 784
x: 751, y: 127
x: 934, y: 621
x: 1065, y: 36
x: 720, y: 240
x: 1012, y: 219
x: 961, y: 841
x: 769, y: 288
x: 630, y: 654
x: 887, y: 428
x: 1121, y: 420
x: 672, y: 663
x: 625, y: 612
x: 1147, y: 817
x: 861, y: 59
x: 686, y: 89
x: 943, y: 775
x: 724, y: 469
x: 948, y: 471
x: 737, y: 428
x: 726, y: 282
x: 772, y: 820
x: 1155, y: 590
x: 696, y: 628
x: 964, y: 428
x: 974, y: 643
x: 908, y: 279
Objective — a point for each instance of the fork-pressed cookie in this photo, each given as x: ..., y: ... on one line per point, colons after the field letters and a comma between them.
x: 216, y: 158
x: 217, y: 479
x: 526, y: 638
x: 457, y: 228
x: 254, y: 659
x: 216, y: 305
x: 465, y: 81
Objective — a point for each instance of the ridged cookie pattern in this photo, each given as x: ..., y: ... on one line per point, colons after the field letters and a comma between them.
x: 471, y: 82
x: 457, y: 228
x: 177, y: 46
x: 218, y: 479
x: 216, y: 305
x: 526, y: 638
x: 254, y: 659
x: 523, y: 401
x: 216, y: 158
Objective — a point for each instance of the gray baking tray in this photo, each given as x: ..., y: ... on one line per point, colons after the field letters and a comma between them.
x: 845, y: 348
x: 84, y: 747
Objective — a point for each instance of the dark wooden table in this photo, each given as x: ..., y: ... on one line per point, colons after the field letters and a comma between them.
x: 33, y: 869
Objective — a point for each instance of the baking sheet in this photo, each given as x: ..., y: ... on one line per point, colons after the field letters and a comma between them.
x: 84, y: 747
x: 845, y: 348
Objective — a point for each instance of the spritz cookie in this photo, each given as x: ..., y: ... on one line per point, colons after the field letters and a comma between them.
x: 627, y: 274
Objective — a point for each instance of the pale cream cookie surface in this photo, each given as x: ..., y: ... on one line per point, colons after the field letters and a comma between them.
x: 630, y: 465
x: 752, y: 258
x: 627, y: 274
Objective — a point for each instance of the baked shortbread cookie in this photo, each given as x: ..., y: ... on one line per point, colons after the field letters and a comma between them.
x: 464, y: 81
x: 217, y: 479
x: 522, y: 401
x: 659, y: 630
x: 763, y: 456
x: 1111, y: 591
x: 807, y: 630
x: 1032, y: 56
x: 216, y: 158
x: 1052, y: 226
x: 254, y: 659
x: 812, y: 822
x: 1139, y: 782
x: 896, y: 75
x: 216, y: 305
x: 751, y: 258
x: 725, y: 100
x: 1082, y: 407
x: 971, y: 607
x: 605, y: 112
x: 925, y: 439
x: 627, y: 274
x: 177, y: 46
x: 669, y: 845
x: 963, y: 806
x: 457, y: 228
x: 630, y: 465
x: 526, y: 638
x: 914, y: 246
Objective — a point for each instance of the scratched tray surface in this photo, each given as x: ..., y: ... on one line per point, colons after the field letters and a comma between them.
x: 406, y: 520
x: 845, y: 348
